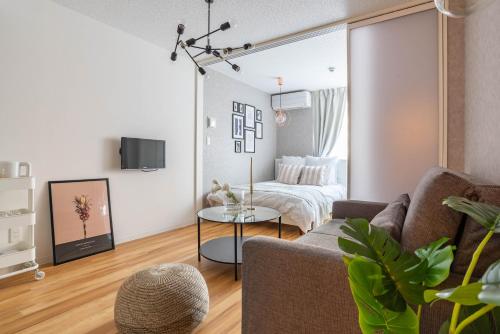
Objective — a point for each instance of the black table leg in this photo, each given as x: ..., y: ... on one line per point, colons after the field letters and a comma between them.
x: 241, y: 230
x: 236, y: 252
x: 279, y: 227
x: 199, y: 239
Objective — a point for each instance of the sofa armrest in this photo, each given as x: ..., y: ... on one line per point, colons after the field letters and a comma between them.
x: 356, y: 209
x: 289, y: 287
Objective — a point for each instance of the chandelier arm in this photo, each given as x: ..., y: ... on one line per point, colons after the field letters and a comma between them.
x: 208, y: 29
x: 190, y: 56
x: 199, y: 54
x: 196, y: 47
x: 177, y: 43
x: 206, y: 35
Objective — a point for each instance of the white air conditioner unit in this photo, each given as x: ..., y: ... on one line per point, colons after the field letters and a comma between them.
x: 291, y: 101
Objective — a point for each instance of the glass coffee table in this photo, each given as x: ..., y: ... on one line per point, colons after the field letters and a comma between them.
x: 229, y: 249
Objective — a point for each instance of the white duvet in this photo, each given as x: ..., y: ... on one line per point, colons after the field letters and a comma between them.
x: 300, y: 205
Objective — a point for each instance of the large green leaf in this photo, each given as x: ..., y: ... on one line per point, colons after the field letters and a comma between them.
x: 486, y: 291
x: 403, y: 273
x: 465, y: 295
x: 485, y: 214
x: 438, y: 261
x: 490, y: 293
x: 364, y: 278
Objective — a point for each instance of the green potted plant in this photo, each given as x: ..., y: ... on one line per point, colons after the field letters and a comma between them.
x: 390, y: 284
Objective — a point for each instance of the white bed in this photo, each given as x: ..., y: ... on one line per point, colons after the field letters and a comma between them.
x: 304, y: 206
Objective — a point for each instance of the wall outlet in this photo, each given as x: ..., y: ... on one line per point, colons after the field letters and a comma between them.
x: 14, y: 235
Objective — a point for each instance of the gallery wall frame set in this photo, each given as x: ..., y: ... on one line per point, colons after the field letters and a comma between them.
x: 247, y: 125
x: 81, y: 220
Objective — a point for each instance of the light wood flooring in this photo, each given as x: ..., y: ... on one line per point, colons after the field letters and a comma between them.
x: 78, y: 297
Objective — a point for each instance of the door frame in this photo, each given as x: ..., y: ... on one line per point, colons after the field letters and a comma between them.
x: 376, y: 16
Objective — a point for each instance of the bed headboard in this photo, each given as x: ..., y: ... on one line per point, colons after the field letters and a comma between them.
x: 341, y: 169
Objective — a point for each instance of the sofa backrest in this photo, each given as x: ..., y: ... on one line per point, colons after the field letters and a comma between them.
x: 428, y: 219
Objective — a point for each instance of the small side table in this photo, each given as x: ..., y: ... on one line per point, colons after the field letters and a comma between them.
x: 229, y: 249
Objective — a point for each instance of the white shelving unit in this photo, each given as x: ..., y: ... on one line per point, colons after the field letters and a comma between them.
x: 18, y: 255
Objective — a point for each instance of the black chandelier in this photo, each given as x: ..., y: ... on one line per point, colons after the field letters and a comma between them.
x: 207, y: 49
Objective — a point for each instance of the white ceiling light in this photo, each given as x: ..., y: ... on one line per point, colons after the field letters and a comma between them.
x: 459, y: 8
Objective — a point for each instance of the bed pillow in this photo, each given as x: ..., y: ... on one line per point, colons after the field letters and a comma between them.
x: 292, y: 160
x: 331, y: 172
x: 289, y: 174
x: 314, y: 175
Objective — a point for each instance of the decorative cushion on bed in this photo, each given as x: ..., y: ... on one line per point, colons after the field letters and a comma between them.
x: 292, y: 160
x: 313, y: 175
x: 393, y: 216
x: 331, y: 163
x: 289, y: 174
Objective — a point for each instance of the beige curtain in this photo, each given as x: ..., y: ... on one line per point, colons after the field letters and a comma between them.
x: 328, y: 108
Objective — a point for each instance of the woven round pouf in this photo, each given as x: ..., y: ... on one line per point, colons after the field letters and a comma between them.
x: 168, y: 298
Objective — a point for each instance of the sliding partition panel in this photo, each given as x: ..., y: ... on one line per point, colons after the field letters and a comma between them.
x: 394, y: 104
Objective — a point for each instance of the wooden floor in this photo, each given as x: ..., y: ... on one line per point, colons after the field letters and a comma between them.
x: 78, y: 297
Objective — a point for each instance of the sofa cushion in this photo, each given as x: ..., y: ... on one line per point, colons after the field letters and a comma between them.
x: 324, y: 236
x: 393, y: 216
x: 474, y: 232
x: 428, y: 219
x: 332, y: 227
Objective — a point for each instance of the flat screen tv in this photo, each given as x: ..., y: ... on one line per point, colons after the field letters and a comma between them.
x: 142, y: 154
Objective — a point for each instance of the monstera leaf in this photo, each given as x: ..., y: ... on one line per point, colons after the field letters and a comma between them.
x: 486, y: 291
x: 485, y: 214
x: 490, y: 292
x: 402, y: 273
x: 439, y: 261
x: 365, y: 277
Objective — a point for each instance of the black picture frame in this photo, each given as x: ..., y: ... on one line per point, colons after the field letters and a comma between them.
x: 259, y: 130
x: 241, y: 108
x: 249, y: 116
x: 258, y: 115
x: 236, y: 106
x: 237, y: 122
x: 249, y: 141
x: 237, y: 146
x: 79, y: 248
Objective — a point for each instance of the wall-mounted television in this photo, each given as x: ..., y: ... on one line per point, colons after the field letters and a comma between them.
x: 144, y: 154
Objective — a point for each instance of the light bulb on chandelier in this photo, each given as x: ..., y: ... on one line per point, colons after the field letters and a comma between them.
x: 280, y: 116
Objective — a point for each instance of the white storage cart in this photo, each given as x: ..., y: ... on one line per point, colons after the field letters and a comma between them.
x: 17, y: 231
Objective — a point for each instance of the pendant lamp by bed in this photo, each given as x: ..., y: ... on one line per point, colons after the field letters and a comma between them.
x: 280, y: 116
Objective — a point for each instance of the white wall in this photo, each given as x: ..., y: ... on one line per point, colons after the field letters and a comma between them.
x: 482, y: 94
x: 70, y: 87
x: 296, y: 138
x: 394, y: 105
x: 219, y: 159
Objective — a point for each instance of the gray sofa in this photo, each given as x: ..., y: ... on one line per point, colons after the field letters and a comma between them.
x: 302, y: 286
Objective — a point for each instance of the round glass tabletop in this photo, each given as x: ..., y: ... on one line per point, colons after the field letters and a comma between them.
x: 219, y: 214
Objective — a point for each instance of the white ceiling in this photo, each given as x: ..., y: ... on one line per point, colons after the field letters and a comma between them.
x: 257, y: 20
x: 303, y: 65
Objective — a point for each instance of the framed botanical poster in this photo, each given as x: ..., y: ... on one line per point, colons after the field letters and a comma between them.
x: 80, y: 213
x: 241, y: 108
x: 238, y: 121
x: 258, y: 115
x: 259, y: 131
x: 237, y: 146
x: 249, y: 116
x: 236, y: 107
x: 249, y: 141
